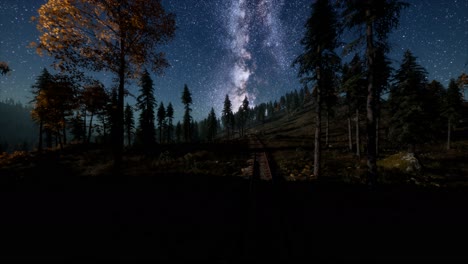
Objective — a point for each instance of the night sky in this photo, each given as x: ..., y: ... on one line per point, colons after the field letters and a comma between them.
x: 241, y: 48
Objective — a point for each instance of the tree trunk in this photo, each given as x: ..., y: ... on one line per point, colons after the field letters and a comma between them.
x: 318, y: 112
x: 39, y: 147
x: 129, y: 137
x: 317, y: 140
x: 358, y: 136
x: 371, y: 98
x: 119, y: 130
x: 84, y: 126
x: 377, y: 136
x: 350, y: 136
x: 168, y: 133
x: 64, y: 128
x: 60, y: 141
x: 64, y: 132
x: 90, y: 127
x: 327, y: 125
x: 448, y: 133
x: 49, y: 139
x: 160, y: 134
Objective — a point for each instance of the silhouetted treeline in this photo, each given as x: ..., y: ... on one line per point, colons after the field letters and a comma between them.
x: 17, y: 131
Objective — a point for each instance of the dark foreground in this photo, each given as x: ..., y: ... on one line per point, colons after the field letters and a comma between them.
x: 226, y: 220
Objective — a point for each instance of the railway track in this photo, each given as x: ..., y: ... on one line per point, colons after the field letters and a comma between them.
x: 261, y: 165
x: 264, y: 232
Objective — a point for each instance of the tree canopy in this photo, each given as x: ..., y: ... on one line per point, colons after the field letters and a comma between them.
x: 4, y: 68
x: 409, y: 123
x: 117, y: 36
x: 319, y: 61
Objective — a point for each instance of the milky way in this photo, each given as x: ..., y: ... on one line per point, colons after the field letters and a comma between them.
x: 242, y: 48
x: 251, y: 23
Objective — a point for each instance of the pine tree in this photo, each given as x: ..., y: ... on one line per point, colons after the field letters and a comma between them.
x: 243, y: 115
x: 178, y: 132
x: 227, y: 116
x: 434, y: 96
x: 260, y: 113
x: 452, y: 107
x: 39, y: 113
x: 129, y: 123
x: 170, y: 118
x: 212, y: 125
x: 319, y: 60
x: 187, y: 122
x: 376, y: 19
x: 354, y: 86
x: 194, y: 129
x: 409, y: 124
x: 382, y: 74
x: 146, y: 103
x: 161, y: 121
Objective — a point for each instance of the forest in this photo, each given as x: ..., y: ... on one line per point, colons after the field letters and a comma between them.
x: 360, y: 143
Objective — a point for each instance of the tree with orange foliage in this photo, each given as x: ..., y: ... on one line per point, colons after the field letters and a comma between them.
x: 4, y: 69
x: 120, y: 36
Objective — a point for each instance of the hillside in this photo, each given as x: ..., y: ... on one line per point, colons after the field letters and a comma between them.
x: 289, y: 138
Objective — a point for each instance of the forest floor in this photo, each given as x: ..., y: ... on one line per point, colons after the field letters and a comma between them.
x: 228, y: 219
x: 194, y: 202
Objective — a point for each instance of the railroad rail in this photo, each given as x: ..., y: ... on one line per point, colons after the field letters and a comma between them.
x: 261, y: 166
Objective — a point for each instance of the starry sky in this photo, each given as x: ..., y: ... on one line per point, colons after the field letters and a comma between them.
x: 241, y: 48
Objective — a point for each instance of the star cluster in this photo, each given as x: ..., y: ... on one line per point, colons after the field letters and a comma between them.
x: 241, y: 48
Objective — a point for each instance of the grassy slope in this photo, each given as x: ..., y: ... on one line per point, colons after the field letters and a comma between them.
x: 290, y: 139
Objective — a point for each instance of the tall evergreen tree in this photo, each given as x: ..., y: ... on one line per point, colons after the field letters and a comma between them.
x: 212, y: 124
x: 383, y: 72
x: 409, y: 124
x: 39, y: 113
x: 318, y: 60
x: 434, y: 100
x: 453, y: 104
x: 187, y: 122
x: 227, y: 116
x: 243, y: 115
x: 178, y: 132
x: 161, y: 121
x: 66, y: 102
x: 194, y: 129
x: 260, y: 113
x: 146, y: 103
x: 170, y: 118
x: 129, y: 122
x: 377, y: 18
x: 354, y: 86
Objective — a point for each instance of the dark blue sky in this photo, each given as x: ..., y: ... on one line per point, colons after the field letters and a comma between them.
x: 242, y: 48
